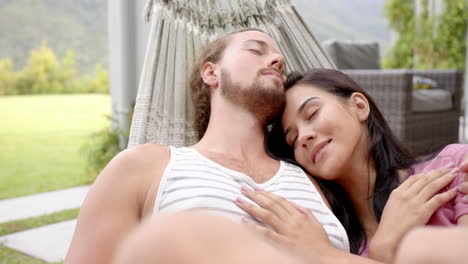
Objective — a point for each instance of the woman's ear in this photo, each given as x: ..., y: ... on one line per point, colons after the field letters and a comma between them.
x: 210, y: 75
x: 360, y: 105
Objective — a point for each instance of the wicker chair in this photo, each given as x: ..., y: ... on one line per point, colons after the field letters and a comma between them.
x: 421, y: 132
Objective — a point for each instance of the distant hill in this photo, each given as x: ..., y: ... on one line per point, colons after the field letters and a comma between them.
x: 82, y: 26
x: 346, y: 19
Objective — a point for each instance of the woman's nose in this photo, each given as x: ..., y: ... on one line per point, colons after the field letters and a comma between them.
x: 306, y: 138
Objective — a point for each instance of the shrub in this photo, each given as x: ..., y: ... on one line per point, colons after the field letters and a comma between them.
x: 7, y: 77
x: 44, y: 73
x: 39, y: 74
x: 100, y: 148
x: 99, y: 83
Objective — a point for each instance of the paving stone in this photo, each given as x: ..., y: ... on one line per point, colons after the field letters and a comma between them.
x: 42, y: 203
x: 49, y: 243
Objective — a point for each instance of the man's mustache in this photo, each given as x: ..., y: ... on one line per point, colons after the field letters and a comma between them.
x: 265, y: 70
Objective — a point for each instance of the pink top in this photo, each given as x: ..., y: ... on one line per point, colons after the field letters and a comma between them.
x: 449, y: 213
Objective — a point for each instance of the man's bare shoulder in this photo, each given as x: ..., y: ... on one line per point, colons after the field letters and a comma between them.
x: 152, y: 153
x: 143, y: 157
x: 145, y: 162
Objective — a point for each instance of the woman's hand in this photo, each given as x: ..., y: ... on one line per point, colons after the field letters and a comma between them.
x: 410, y: 205
x: 463, y: 187
x: 296, y: 227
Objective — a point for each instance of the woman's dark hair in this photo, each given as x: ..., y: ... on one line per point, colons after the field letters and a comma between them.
x: 385, y: 150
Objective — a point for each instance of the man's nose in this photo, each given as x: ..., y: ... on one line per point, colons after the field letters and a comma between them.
x: 278, y: 62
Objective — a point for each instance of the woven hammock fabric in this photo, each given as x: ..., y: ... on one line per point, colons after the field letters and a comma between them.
x: 178, y: 30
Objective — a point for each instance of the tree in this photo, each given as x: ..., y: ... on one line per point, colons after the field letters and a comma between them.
x: 425, y: 40
x: 400, y: 14
x: 67, y: 73
x: 39, y: 74
x: 451, y: 36
x: 44, y: 73
x: 7, y: 77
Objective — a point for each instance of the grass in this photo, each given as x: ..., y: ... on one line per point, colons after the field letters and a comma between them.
x: 34, y: 222
x: 41, y: 137
x: 11, y: 256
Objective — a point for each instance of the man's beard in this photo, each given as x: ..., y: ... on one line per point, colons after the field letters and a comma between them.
x: 264, y: 101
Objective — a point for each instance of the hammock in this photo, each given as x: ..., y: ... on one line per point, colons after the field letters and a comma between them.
x: 178, y: 30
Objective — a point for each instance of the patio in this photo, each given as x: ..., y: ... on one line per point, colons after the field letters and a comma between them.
x: 50, y: 243
x: 128, y: 38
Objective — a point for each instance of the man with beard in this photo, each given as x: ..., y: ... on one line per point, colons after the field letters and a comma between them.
x: 152, y: 190
x: 237, y: 88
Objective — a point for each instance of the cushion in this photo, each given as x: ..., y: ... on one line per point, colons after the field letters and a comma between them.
x: 420, y: 82
x: 431, y: 100
x: 353, y: 55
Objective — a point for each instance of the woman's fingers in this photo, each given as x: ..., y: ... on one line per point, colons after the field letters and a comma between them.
x: 274, y: 210
x: 433, y: 187
x: 285, y: 204
x: 463, y: 187
x: 300, y: 208
x: 305, y: 211
x: 421, y: 180
x: 260, y: 214
x: 276, y: 204
x: 265, y: 232
x: 464, y: 166
x: 440, y: 199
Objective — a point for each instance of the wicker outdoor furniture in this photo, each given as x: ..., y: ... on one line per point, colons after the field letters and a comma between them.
x: 424, y: 118
x: 421, y: 132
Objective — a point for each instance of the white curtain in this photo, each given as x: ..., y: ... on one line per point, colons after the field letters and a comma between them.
x: 179, y: 29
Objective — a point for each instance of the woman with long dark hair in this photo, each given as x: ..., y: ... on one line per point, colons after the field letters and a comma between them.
x: 333, y: 129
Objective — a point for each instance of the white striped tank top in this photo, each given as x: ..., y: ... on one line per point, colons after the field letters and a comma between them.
x: 194, y: 182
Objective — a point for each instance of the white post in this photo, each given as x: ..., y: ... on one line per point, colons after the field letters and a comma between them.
x: 127, y: 41
x: 465, y: 99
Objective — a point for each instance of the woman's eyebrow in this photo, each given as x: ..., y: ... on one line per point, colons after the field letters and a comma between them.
x: 304, y: 104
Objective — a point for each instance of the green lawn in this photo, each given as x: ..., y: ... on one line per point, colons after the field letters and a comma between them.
x: 11, y: 256
x: 38, y: 221
x: 41, y: 137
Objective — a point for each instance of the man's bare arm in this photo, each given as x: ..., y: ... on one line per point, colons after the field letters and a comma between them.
x: 113, y: 206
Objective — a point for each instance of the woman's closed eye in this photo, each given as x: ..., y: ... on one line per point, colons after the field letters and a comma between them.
x: 290, y: 138
x: 311, y: 116
x: 293, y: 144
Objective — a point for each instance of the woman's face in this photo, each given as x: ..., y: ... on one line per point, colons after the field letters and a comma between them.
x: 327, y: 132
